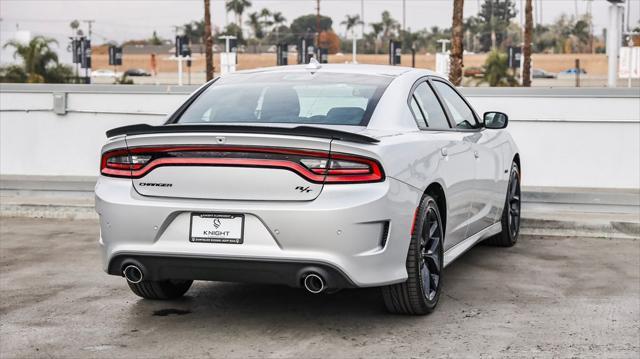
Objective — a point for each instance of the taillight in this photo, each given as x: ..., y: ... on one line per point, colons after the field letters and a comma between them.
x: 314, y: 166
x: 120, y: 163
x: 341, y: 168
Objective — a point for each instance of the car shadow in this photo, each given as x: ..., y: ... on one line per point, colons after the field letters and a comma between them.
x: 248, y: 305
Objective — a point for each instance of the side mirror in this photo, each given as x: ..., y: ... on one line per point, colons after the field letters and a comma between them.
x: 495, y: 120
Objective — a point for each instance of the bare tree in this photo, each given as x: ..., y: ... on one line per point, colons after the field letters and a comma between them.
x: 208, y: 40
x: 457, y: 35
x: 526, y: 51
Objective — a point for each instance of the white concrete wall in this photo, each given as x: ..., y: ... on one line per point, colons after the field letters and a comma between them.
x: 567, y: 138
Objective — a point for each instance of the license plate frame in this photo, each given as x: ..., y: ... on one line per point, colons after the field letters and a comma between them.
x: 217, y: 238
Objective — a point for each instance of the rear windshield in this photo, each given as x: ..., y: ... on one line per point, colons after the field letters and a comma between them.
x: 293, y: 97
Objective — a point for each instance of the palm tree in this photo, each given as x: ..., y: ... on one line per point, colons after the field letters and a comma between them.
x: 194, y: 31
x: 277, y: 19
x: 455, y: 72
x: 389, y: 25
x: 208, y: 40
x: 526, y: 51
x: 255, y: 23
x: 37, y: 56
x: 265, y: 15
x: 496, y: 70
x: 351, y: 22
x: 238, y: 7
x: 376, y: 30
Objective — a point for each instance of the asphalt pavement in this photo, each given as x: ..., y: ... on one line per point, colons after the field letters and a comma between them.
x: 545, y: 297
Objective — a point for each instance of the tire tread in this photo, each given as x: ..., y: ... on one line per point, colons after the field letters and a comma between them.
x: 160, y: 289
x: 503, y: 239
x: 407, y: 297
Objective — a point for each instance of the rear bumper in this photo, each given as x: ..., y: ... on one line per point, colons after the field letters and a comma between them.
x: 289, y: 273
x: 357, y: 234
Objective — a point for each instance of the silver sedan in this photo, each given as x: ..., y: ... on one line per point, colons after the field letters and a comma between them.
x: 316, y: 176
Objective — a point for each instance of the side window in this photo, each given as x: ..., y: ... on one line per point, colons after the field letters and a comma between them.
x: 431, y: 108
x: 417, y: 112
x: 462, y: 114
x: 427, y: 109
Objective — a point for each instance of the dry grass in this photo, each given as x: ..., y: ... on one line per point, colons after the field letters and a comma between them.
x: 593, y: 64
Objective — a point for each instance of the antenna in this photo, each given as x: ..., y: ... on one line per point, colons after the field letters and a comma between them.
x: 313, y: 64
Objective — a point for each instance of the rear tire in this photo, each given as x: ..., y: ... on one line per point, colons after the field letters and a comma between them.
x: 510, y: 213
x: 420, y: 293
x: 167, y: 289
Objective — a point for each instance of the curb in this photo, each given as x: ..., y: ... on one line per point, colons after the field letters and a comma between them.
x: 48, y: 211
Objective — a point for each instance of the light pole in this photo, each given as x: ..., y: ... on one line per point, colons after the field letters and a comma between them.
x: 613, y: 41
x: 362, y: 16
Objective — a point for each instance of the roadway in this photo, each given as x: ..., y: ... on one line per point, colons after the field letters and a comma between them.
x: 546, y: 297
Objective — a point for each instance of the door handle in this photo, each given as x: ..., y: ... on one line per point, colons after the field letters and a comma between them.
x: 444, y: 152
x: 476, y: 154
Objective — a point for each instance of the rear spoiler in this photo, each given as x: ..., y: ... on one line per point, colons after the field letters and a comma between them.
x: 306, y: 131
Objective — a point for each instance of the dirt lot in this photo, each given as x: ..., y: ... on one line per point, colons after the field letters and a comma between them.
x: 543, y: 298
x: 593, y: 64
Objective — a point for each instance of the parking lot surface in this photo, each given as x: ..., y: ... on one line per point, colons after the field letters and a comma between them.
x: 546, y: 297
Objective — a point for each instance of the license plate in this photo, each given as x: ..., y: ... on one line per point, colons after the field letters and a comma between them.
x: 216, y: 228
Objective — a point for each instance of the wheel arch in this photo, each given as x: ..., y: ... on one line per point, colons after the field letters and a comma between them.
x: 516, y: 159
x: 436, y: 191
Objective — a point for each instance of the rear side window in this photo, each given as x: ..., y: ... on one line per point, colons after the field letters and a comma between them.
x: 433, y: 115
x: 289, y: 97
x: 462, y: 114
x: 417, y: 112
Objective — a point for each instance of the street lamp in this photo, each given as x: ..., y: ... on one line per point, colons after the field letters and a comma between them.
x: 613, y: 41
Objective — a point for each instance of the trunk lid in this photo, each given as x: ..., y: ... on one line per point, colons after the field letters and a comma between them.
x: 227, y: 166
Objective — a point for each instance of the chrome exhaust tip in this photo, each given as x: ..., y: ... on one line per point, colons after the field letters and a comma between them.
x: 314, y: 283
x: 133, y: 274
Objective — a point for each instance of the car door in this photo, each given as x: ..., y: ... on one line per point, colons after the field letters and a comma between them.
x: 456, y: 162
x: 487, y: 162
x: 490, y: 177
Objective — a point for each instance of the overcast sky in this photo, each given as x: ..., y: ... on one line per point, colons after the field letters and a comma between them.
x: 120, y: 20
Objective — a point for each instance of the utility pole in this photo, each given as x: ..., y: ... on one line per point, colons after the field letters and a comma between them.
x: 362, y: 17
x: 613, y: 41
x: 627, y: 18
x: 404, y: 15
x: 317, y: 24
x: 89, y: 22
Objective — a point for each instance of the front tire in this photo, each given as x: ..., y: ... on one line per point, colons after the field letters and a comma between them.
x: 166, y: 289
x: 510, y: 213
x: 419, y: 295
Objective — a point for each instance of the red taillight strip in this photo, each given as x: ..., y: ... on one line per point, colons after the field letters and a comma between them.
x: 322, y: 171
x: 375, y: 173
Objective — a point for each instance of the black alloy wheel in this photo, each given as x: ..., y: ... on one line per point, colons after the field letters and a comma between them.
x: 511, y: 214
x: 420, y: 293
